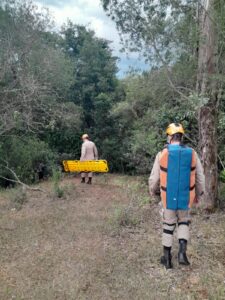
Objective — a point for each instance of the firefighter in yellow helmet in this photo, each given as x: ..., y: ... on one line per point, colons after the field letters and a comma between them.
x: 178, y: 172
x: 174, y: 128
x: 88, y: 152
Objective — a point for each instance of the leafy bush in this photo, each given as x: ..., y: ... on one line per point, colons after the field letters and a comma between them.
x: 28, y: 157
x: 143, y: 147
x: 58, y: 191
x: 222, y: 176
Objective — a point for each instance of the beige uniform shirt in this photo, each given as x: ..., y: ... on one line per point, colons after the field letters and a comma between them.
x: 88, y: 151
x: 154, y: 179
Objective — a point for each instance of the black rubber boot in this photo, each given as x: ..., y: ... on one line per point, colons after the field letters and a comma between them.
x: 89, y: 180
x: 83, y: 180
x: 166, y: 259
x: 182, y: 257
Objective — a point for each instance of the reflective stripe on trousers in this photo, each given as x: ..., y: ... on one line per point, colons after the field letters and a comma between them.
x: 171, y: 218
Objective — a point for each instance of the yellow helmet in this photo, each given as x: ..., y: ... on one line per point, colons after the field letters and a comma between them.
x: 174, y: 128
x: 85, y: 136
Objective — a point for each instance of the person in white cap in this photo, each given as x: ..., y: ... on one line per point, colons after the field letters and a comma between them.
x: 88, y: 152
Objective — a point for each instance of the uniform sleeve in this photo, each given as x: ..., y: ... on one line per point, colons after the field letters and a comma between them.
x: 83, y: 152
x: 95, y: 152
x: 154, y: 178
x: 200, y: 178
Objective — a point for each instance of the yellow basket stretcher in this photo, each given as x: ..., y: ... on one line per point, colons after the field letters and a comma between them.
x: 98, y: 166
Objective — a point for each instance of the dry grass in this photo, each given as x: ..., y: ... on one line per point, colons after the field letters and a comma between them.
x: 76, y: 247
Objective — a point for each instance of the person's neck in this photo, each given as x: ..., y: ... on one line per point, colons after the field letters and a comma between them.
x: 175, y: 143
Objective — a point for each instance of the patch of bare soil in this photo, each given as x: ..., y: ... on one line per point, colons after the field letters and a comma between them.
x: 68, y: 248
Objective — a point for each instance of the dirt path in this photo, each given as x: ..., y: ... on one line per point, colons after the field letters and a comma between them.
x: 48, y: 247
x: 72, y: 248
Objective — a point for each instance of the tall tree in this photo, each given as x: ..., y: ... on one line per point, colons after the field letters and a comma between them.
x: 95, y: 87
x: 35, y: 76
x: 208, y: 90
x: 94, y: 69
x: 34, y: 73
x: 169, y: 34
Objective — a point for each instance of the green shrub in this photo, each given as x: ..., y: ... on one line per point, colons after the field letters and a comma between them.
x: 222, y: 176
x: 58, y: 191
x: 27, y: 157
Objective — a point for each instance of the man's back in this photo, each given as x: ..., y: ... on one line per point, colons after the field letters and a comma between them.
x: 177, y: 176
x: 185, y: 173
x: 178, y: 172
x: 88, y: 151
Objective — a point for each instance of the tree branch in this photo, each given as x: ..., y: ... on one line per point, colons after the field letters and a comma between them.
x: 18, y: 181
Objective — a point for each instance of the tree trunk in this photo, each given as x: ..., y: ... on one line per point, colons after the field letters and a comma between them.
x: 208, y: 151
x: 207, y: 91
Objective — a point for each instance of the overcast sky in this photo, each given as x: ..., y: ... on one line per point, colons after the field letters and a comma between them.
x: 90, y: 13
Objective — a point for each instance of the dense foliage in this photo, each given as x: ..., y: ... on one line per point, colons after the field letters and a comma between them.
x: 53, y: 87
x: 56, y: 86
x: 185, y: 40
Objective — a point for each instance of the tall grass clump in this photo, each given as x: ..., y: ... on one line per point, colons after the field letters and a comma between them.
x: 58, y: 191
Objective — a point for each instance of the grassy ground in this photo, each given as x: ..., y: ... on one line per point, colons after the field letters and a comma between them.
x: 102, y: 242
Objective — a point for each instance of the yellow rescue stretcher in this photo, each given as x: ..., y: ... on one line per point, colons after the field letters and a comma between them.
x: 98, y: 166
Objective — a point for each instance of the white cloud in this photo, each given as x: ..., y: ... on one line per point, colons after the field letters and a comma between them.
x: 79, y: 11
x: 89, y: 13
